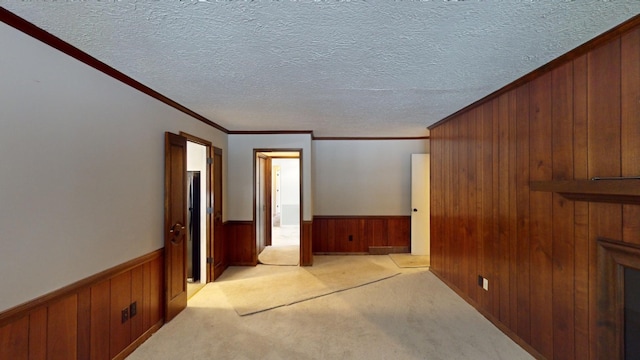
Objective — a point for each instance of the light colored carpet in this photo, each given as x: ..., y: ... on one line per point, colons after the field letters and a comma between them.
x: 406, y: 317
x: 261, y: 293
x: 280, y: 255
x: 410, y: 261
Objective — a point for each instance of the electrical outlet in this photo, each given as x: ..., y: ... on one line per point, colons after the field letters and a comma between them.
x: 485, y: 284
x: 133, y: 309
x: 125, y: 315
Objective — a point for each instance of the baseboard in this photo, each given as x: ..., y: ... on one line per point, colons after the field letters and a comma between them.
x: 386, y: 250
x: 139, y: 341
x: 507, y: 331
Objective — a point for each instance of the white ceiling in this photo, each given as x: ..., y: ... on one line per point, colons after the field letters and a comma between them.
x: 338, y: 68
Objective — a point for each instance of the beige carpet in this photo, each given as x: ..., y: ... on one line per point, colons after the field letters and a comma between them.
x: 410, y: 261
x: 280, y: 255
x: 261, y: 293
x: 406, y: 317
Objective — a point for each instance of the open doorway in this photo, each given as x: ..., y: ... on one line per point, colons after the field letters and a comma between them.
x: 285, y: 202
x: 278, y: 206
x: 196, y: 217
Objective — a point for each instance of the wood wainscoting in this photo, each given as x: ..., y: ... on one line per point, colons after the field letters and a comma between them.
x: 240, y: 243
x: 85, y: 320
x: 306, y: 243
x: 361, y: 234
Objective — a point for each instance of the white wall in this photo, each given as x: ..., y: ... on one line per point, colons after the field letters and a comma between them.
x: 240, y: 175
x: 289, y: 190
x: 81, y: 169
x: 363, y: 177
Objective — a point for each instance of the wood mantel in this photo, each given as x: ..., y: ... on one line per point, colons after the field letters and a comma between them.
x: 624, y: 191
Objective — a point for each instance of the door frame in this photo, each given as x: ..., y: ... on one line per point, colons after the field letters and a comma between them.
x: 210, y: 238
x: 175, y: 219
x: 268, y: 175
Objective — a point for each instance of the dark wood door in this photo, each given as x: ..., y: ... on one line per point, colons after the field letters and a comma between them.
x: 261, y: 205
x: 218, y: 255
x: 175, y: 219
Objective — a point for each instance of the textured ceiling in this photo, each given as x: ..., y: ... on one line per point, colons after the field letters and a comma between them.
x: 338, y: 68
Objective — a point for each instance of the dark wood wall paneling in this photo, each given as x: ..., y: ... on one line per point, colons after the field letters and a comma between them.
x: 577, y: 120
x: 240, y: 243
x: 83, y: 321
x: 361, y: 234
x: 306, y: 244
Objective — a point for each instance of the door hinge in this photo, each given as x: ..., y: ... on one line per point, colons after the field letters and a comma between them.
x: 209, y: 210
x: 209, y: 260
x: 209, y: 161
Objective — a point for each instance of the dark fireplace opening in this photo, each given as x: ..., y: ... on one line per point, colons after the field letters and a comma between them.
x: 631, y: 313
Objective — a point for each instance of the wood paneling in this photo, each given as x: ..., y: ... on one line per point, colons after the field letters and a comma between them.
x: 357, y: 234
x: 84, y: 321
x: 575, y: 120
x: 306, y: 245
x: 240, y: 243
x: 100, y: 320
x: 38, y: 334
x: 62, y: 327
x: 14, y: 340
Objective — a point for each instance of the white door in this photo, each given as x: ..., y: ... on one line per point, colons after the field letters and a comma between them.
x: 420, y: 204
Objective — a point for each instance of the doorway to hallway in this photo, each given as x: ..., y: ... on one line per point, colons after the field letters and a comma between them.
x: 278, y: 206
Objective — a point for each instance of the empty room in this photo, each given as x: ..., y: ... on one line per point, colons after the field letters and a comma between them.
x: 320, y: 179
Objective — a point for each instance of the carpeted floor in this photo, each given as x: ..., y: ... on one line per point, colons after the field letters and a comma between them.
x: 288, y: 255
x: 410, y: 261
x: 256, y: 294
x: 409, y: 316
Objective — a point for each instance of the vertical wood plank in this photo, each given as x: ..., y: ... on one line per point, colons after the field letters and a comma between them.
x: 463, y: 203
x: 472, y: 212
x: 495, y: 259
x: 120, y: 334
x: 146, y: 297
x: 523, y: 260
x: 156, y: 307
x: 435, y: 182
x: 137, y: 297
x: 603, y: 132
x: 306, y: 248
x: 630, y: 115
x: 449, y: 215
x: 100, y: 320
x: 563, y: 213
x: 541, y: 216
x: 84, y: 323
x: 62, y: 327
x: 375, y: 232
x: 581, y: 221
x: 14, y: 339
x: 456, y: 243
x: 488, y: 224
x: 503, y: 208
x: 38, y: 334
x: 512, y: 214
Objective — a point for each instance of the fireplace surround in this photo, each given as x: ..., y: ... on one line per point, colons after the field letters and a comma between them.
x: 618, y: 276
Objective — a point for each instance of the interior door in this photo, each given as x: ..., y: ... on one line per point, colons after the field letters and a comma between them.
x: 420, y: 207
x: 175, y: 219
x: 218, y: 256
x: 261, y: 204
